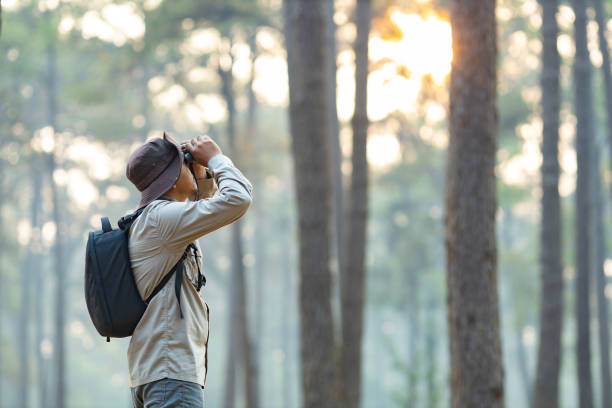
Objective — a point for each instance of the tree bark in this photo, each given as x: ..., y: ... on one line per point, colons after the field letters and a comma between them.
x: 40, y: 291
x: 260, y: 224
x: 306, y: 44
x: 58, y: 257
x: 335, y: 157
x: 546, y: 392
x: 353, y: 272
x: 473, y: 312
x: 602, y: 303
x: 239, y: 317
x: 287, y: 386
x: 26, y: 290
x: 523, y: 365
x: 584, y: 131
x: 2, y: 250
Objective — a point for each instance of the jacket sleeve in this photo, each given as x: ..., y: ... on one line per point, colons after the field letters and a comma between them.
x: 180, y: 223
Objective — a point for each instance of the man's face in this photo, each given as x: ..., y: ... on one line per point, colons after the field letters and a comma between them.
x: 185, y: 183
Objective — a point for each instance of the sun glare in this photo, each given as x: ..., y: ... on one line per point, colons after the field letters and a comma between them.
x: 426, y: 45
x: 383, y: 150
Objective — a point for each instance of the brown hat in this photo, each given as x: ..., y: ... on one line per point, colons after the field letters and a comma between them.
x: 155, y: 167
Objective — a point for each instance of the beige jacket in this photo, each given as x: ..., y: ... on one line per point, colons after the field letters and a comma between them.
x: 164, y: 345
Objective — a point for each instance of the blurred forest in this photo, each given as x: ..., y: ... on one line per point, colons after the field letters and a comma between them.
x: 342, y: 260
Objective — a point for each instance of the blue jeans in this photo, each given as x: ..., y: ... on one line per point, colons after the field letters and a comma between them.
x: 168, y: 393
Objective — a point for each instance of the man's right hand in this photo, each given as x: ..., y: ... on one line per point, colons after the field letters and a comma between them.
x: 203, y: 148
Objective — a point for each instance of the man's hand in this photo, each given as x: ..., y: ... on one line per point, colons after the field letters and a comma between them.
x: 200, y: 171
x: 203, y: 148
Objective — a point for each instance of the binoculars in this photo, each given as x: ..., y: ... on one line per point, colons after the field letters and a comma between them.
x: 188, y: 157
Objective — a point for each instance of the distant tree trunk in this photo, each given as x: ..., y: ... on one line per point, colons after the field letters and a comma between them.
x: 286, y: 313
x: 584, y: 132
x: 145, y: 101
x: 353, y: 272
x: 26, y: 287
x: 336, y: 188
x: 238, y: 307
x: 523, y: 365
x: 39, y: 320
x: 431, y: 358
x: 546, y: 392
x: 260, y: 223
x: 306, y: 44
x: 414, y: 329
x: 236, y: 260
x: 2, y: 250
x: 477, y: 378
x: 602, y: 303
x: 335, y: 157
x: 58, y: 256
x: 39, y: 325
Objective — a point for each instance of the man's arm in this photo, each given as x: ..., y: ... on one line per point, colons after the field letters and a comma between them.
x: 183, y: 222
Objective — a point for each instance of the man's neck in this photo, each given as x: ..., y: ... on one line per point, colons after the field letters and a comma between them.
x: 173, y: 197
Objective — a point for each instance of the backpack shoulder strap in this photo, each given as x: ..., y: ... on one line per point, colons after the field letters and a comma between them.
x: 106, y: 225
x: 178, y: 268
x: 126, y: 221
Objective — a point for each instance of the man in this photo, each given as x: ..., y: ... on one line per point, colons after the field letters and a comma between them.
x: 168, y: 352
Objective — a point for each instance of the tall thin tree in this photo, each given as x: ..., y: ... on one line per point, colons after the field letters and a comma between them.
x: 306, y: 44
x: 259, y: 244
x: 239, y: 332
x: 471, y: 249
x: 584, y: 134
x: 58, y: 255
x: 335, y: 153
x: 546, y: 391
x: 602, y: 302
x: 353, y: 264
x: 26, y: 291
x: 2, y: 250
x: 599, y: 236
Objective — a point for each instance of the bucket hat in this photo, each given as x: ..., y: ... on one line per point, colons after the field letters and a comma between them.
x: 155, y: 167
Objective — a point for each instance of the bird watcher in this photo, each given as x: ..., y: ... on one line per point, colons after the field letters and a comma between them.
x: 148, y: 285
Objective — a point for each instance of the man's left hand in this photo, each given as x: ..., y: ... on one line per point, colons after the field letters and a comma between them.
x: 200, y: 171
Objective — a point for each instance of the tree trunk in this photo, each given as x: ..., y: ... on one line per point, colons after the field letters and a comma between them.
x: 336, y: 188
x: 2, y: 250
x: 239, y: 315
x: 26, y: 288
x: 473, y: 312
x: 584, y: 132
x: 58, y: 257
x: 335, y: 154
x: 260, y: 224
x: 39, y: 325
x: 414, y: 330
x: 546, y: 392
x: 286, y: 313
x: 523, y: 366
x: 145, y: 101
x: 353, y: 272
x: 431, y: 357
x: 305, y: 33
x: 602, y: 303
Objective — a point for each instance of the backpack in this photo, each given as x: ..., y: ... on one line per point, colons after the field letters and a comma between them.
x: 112, y: 298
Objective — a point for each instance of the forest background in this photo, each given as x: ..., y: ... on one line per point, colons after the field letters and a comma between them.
x: 83, y: 83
